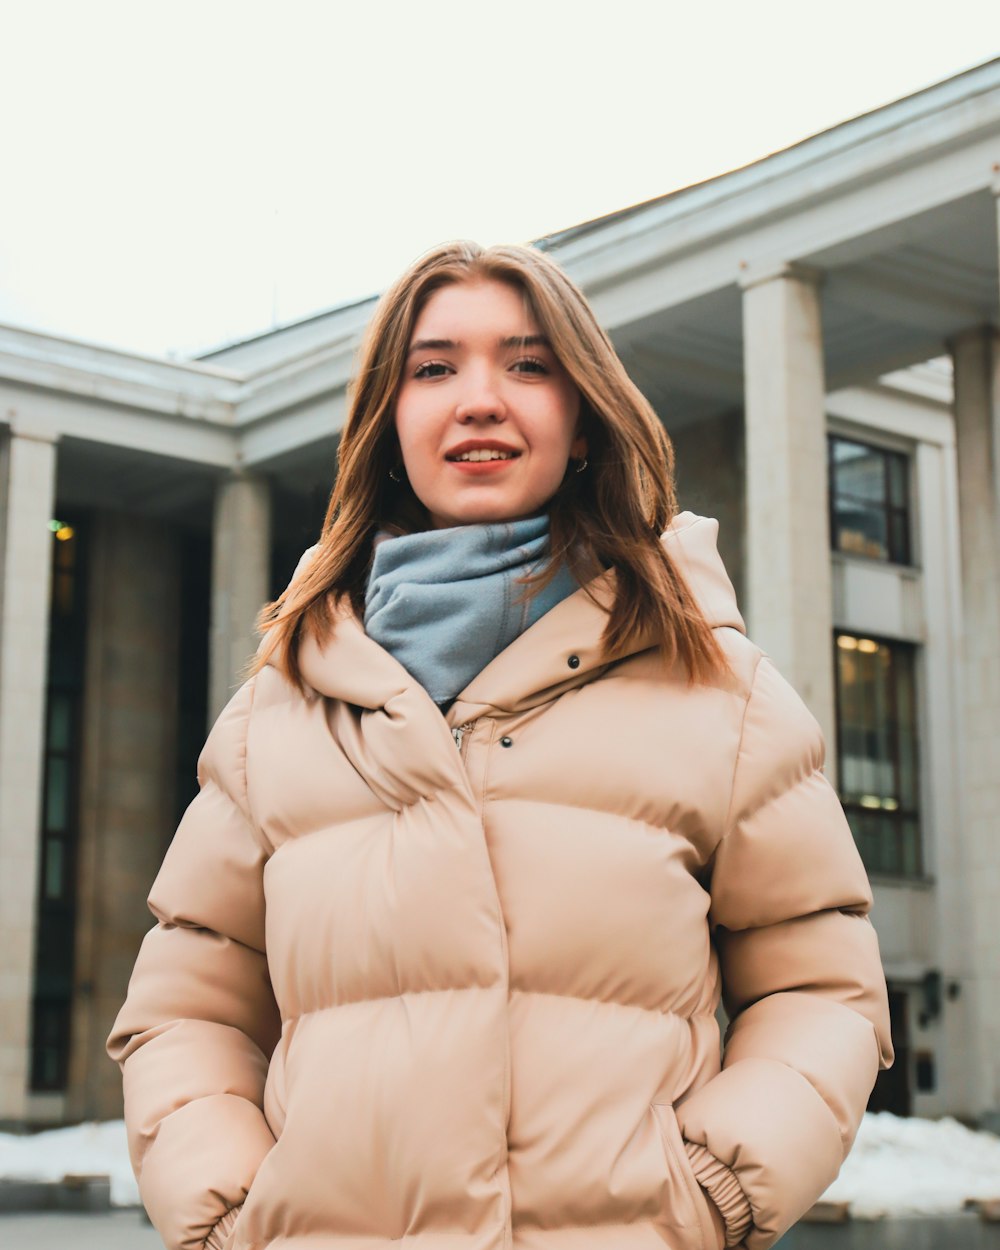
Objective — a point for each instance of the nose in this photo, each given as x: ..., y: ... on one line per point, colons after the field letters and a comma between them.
x: 481, y: 402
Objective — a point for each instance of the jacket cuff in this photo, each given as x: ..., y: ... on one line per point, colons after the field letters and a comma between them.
x: 721, y: 1185
x: 217, y: 1238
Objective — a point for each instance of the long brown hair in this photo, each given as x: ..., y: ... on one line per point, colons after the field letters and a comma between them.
x: 611, y: 516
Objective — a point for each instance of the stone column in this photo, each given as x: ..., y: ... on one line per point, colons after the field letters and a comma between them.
x: 976, y: 356
x: 789, y: 588
x: 128, y: 780
x: 27, y: 487
x: 241, y: 557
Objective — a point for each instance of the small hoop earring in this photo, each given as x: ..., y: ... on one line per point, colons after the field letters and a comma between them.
x: 394, y: 474
x: 582, y: 465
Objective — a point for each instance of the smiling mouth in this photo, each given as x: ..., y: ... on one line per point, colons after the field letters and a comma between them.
x: 479, y: 454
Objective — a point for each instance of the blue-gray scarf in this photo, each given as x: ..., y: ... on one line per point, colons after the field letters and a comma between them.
x: 443, y: 601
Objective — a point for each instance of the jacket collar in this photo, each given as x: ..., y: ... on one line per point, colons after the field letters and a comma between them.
x: 350, y: 666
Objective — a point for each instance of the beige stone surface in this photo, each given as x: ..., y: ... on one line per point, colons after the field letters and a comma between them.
x: 977, y: 416
x: 25, y: 551
x: 241, y: 550
x: 789, y: 589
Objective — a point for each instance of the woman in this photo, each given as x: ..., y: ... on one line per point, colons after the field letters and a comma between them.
x: 442, y: 937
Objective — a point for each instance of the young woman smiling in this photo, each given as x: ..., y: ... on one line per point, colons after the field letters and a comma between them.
x: 508, y: 800
x: 486, y: 416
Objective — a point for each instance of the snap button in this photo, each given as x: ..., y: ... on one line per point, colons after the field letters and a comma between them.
x: 573, y: 661
x: 506, y: 742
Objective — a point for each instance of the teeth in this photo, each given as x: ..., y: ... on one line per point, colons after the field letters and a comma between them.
x: 484, y: 453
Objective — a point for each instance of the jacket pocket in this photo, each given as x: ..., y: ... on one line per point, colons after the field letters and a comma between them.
x: 680, y: 1166
x: 221, y: 1236
x: 275, y: 1090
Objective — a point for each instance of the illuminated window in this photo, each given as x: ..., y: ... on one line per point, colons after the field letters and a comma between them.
x: 869, y: 501
x: 877, y: 751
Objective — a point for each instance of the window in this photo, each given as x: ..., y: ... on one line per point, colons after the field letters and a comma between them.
x: 869, y: 501
x: 56, y: 915
x: 877, y: 750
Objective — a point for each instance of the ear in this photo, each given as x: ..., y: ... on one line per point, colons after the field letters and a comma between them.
x: 578, y: 447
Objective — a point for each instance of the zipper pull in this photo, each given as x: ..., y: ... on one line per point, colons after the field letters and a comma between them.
x: 458, y: 733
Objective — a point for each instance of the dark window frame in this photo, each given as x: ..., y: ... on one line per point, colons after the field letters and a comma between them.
x: 55, y: 947
x: 895, y: 819
x: 902, y: 514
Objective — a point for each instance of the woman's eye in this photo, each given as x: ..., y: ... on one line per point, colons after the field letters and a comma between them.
x: 531, y: 365
x: 432, y: 369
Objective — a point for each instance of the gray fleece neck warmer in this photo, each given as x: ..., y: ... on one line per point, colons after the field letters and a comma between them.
x: 443, y: 602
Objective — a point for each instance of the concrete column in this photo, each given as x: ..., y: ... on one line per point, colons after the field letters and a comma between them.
x: 976, y: 357
x: 789, y: 589
x: 27, y: 483
x: 128, y: 780
x: 711, y: 481
x: 241, y: 557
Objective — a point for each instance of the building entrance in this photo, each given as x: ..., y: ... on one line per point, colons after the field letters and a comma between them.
x: 892, y: 1090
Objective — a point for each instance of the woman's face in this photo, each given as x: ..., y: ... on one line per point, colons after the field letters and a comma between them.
x: 486, y: 416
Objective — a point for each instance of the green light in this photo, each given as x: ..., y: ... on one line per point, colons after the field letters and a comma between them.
x: 55, y: 525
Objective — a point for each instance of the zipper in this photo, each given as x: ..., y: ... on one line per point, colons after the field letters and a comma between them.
x: 458, y: 733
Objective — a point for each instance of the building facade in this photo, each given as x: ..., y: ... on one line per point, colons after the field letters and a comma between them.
x: 819, y: 333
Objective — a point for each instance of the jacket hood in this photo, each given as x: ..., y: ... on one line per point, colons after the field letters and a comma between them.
x: 350, y: 666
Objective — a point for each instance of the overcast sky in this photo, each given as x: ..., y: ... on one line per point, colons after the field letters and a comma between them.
x: 175, y: 175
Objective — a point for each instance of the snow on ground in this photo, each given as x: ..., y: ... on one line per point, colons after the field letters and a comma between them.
x: 916, y: 1167
x: 87, y: 1149
x: 897, y: 1166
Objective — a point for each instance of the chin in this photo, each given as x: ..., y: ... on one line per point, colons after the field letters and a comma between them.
x: 486, y: 516
x: 487, y: 512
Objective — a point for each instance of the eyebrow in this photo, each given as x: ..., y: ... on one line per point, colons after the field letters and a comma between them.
x: 446, y: 345
x: 432, y: 345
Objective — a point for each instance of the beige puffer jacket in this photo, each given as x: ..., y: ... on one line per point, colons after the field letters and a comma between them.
x: 464, y: 998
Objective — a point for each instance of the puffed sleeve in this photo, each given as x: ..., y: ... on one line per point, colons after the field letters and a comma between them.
x: 199, y: 1022
x: 802, y: 980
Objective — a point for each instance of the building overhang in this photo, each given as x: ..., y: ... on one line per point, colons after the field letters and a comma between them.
x: 895, y: 210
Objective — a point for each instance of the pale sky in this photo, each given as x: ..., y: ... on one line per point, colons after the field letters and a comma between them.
x: 176, y: 175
